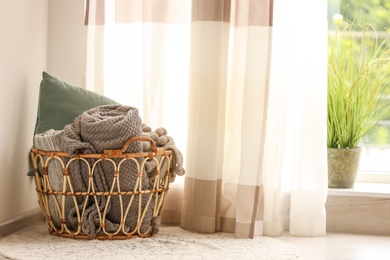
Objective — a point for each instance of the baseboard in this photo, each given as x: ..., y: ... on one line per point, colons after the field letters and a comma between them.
x: 26, y: 220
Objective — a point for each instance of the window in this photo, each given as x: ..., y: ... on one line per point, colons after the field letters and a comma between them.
x: 375, y: 158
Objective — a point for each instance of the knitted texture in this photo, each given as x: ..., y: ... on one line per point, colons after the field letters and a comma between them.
x: 98, y: 129
x: 161, y: 139
x: 50, y: 141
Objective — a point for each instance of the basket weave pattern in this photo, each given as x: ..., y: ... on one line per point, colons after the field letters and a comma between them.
x: 55, y: 201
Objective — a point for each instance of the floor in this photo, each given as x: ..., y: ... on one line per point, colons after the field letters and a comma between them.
x: 337, y: 246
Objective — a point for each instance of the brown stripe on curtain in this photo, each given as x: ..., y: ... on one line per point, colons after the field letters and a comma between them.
x: 256, y: 12
x: 163, y: 11
x: 94, y: 12
x: 211, y: 10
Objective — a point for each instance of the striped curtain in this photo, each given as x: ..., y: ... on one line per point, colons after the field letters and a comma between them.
x: 241, y: 86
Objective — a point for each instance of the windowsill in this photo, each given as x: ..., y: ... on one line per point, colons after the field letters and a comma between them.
x: 363, y: 189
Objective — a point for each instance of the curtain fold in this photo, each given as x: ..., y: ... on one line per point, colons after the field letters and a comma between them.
x: 241, y: 85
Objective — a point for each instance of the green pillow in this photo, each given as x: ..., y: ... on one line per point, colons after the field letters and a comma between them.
x: 60, y: 103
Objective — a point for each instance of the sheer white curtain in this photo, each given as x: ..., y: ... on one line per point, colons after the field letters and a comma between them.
x: 241, y: 87
x: 296, y: 130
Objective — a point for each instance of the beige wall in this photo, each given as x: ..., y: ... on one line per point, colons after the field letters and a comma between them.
x: 66, y: 41
x: 35, y: 36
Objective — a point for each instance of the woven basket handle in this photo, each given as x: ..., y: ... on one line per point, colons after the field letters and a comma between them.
x: 118, y: 152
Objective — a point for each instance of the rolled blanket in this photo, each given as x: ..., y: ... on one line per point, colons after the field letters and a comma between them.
x: 50, y: 141
x: 106, y: 128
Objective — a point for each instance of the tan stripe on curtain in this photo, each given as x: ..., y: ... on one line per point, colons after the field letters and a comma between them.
x: 239, y: 13
x: 204, y: 196
x: 250, y: 209
x: 211, y: 10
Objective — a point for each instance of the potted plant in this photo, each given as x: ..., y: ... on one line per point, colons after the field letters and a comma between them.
x: 358, y: 91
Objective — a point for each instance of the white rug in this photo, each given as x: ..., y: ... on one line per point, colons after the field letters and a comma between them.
x: 169, y: 243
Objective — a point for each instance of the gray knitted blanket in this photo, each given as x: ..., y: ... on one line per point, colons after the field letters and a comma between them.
x: 98, y: 129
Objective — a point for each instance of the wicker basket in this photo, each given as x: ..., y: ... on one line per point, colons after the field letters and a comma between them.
x: 56, y: 201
